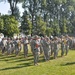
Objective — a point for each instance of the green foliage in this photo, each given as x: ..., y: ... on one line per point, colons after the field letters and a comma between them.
x: 10, y: 25
x: 57, y: 14
x: 41, y: 26
x: 43, y: 2
x: 65, y: 26
x: 26, y: 25
x: 56, y: 29
x: 1, y: 24
x: 70, y: 8
x: 49, y: 31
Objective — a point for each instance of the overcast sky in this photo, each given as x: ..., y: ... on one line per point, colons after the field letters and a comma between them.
x: 4, y: 8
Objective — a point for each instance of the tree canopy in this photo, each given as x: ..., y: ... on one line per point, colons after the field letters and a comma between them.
x: 9, y: 25
x: 50, y: 16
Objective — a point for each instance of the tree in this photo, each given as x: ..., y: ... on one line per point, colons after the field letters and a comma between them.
x: 58, y: 14
x: 49, y: 31
x: 14, y: 10
x: 26, y: 24
x: 40, y: 27
x: 10, y: 25
x: 1, y: 24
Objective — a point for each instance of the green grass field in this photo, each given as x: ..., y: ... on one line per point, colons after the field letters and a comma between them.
x: 11, y: 65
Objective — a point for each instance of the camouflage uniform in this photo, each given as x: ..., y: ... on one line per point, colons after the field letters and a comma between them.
x: 55, y: 48
x: 46, y: 48
x: 8, y: 46
x: 3, y: 45
x: 62, y: 47
x: 17, y: 42
x: 36, y: 50
x: 67, y: 44
x: 32, y: 46
x: 25, y: 46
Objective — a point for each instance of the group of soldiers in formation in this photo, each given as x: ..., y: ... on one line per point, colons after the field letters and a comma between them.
x: 48, y: 46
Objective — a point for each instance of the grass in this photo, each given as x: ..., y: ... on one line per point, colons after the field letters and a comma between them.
x: 11, y: 65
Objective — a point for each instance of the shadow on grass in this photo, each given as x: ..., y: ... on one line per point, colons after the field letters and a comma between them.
x: 69, y: 63
x: 13, y: 57
x: 10, y: 58
x: 20, y: 60
x: 17, y: 67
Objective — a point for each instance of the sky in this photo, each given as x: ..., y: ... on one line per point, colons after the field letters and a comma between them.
x: 4, y: 8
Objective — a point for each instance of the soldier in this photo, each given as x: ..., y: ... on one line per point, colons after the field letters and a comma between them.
x: 73, y: 43
x: 0, y: 42
x: 36, y: 50
x: 20, y: 44
x: 25, y: 46
x: 70, y: 43
x: 41, y: 47
x: 52, y: 46
x: 67, y: 44
x: 48, y: 43
x: 8, y: 46
x: 46, y: 48
x: 41, y: 41
x: 32, y: 45
x: 55, y: 47
x: 17, y: 44
x: 3, y: 45
x: 12, y: 45
x: 62, y: 45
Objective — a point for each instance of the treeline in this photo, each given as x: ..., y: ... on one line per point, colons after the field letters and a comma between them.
x: 51, y: 17
x: 8, y: 25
